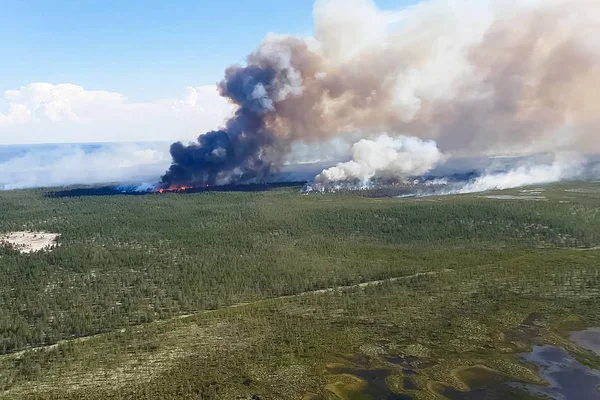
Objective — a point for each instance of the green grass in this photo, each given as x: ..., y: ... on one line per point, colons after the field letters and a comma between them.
x: 128, y: 265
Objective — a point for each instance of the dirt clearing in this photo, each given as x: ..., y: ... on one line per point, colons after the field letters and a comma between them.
x: 30, y: 242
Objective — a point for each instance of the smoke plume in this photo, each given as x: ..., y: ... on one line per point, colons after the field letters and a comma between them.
x: 485, y: 77
x: 562, y: 166
x: 60, y: 165
x: 385, y: 158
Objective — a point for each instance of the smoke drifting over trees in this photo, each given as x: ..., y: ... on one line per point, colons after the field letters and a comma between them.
x: 483, y: 77
x: 387, y: 158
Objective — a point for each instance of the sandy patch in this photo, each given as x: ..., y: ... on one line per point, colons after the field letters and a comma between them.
x: 30, y: 242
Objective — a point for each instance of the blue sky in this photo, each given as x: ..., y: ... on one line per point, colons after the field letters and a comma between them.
x: 76, y: 71
x: 145, y: 49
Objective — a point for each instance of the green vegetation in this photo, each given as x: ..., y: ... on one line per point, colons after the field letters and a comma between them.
x: 197, y: 296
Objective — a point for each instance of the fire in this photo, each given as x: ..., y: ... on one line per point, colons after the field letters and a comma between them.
x: 174, y: 189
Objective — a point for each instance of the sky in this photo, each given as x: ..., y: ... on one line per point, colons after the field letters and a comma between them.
x: 106, y: 70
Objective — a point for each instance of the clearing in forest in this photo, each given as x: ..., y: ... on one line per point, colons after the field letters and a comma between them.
x: 30, y: 242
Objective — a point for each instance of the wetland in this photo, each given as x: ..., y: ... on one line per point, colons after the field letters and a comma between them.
x: 277, y: 295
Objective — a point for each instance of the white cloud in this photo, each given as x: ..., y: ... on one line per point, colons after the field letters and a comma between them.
x: 47, y: 113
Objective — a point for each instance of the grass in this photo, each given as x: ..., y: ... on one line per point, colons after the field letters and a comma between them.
x: 128, y: 267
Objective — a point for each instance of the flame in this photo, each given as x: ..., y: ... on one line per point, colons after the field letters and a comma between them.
x: 174, y: 189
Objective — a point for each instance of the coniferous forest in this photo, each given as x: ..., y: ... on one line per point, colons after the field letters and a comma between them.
x: 285, y: 295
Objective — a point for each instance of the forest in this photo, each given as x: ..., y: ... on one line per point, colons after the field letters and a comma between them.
x: 280, y: 294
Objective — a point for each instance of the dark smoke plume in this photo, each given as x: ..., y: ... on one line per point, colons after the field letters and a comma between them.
x: 234, y: 153
x: 478, y: 77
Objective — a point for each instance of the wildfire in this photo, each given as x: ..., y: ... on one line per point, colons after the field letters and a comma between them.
x: 174, y: 189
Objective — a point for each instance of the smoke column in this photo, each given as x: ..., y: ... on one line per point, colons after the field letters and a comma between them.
x: 478, y: 77
x: 385, y: 158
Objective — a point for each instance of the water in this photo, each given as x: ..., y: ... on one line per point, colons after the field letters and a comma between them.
x: 588, y: 339
x: 567, y: 378
x: 377, y: 387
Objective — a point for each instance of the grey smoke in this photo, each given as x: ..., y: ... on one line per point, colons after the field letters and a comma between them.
x: 489, y: 77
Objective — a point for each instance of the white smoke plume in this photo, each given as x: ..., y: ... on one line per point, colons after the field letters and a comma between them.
x: 564, y: 166
x: 384, y: 158
x: 62, y: 165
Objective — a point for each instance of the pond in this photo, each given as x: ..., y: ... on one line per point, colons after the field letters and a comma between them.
x: 567, y: 378
x: 588, y: 339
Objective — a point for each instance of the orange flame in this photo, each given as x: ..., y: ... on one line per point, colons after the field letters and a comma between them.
x: 171, y: 189
x: 174, y: 189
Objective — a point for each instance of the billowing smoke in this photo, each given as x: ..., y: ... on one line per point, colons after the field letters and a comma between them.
x: 478, y: 77
x: 562, y: 166
x: 384, y: 159
x: 241, y: 150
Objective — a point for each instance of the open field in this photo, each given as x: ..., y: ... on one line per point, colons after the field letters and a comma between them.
x: 282, y: 295
x: 29, y: 242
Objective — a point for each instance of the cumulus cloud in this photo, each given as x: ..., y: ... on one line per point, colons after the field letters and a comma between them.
x: 48, y: 113
x: 57, y: 103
